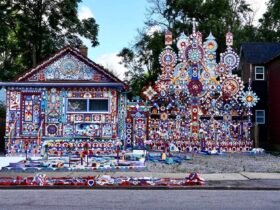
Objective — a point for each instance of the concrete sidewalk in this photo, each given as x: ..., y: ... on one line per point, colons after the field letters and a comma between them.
x: 242, y: 176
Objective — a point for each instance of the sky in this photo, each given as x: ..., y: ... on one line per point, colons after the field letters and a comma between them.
x: 118, y: 23
x: 259, y: 7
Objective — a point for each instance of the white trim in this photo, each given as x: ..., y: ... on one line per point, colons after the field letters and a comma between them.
x: 260, y: 110
x: 61, y: 84
x: 260, y: 67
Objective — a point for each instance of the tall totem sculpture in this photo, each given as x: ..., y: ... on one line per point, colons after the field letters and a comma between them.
x: 196, y: 103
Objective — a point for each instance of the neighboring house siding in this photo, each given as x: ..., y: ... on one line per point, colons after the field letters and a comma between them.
x: 267, y: 55
x: 246, y: 72
x: 260, y: 87
x: 274, y: 102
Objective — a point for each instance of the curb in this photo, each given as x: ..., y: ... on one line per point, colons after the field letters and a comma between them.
x: 139, y: 188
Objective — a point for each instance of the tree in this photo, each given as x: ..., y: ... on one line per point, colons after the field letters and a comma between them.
x: 142, y: 61
x: 270, y: 22
x: 34, y: 29
x: 135, y: 73
x: 215, y: 16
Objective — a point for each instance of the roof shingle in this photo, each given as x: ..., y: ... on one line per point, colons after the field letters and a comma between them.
x: 260, y: 52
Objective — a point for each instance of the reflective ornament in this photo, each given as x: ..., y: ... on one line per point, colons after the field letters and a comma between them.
x: 249, y: 98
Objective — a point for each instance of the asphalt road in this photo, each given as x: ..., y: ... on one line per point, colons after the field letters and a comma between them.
x: 138, y: 199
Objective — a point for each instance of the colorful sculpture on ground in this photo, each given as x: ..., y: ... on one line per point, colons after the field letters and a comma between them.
x: 196, y: 103
x: 40, y: 180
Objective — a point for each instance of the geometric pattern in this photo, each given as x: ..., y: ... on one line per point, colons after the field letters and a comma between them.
x: 197, y: 103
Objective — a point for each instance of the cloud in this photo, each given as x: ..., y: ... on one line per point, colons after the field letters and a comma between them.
x: 112, y: 63
x: 150, y: 31
x: 259, y: 7
x: 84, y: 12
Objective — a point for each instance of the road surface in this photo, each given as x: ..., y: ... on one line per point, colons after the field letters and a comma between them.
x: 138, y: 199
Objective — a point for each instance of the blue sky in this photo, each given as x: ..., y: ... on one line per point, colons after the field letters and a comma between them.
x: 118, y: 23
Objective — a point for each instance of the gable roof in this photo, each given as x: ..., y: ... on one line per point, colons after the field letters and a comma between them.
x: 260, y: 52
x: 68, y: 50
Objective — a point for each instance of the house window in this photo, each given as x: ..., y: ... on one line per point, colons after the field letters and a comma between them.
x: 77, y: 105
x: 259, y: 72
x: 98, y: 105
x: 88, y: 105
x: 260, y: 117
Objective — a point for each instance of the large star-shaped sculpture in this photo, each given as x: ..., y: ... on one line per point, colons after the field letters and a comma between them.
x: 249, y: 98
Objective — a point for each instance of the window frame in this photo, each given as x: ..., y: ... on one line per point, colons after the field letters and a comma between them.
x: 256, y: 116
x: 263, y: 73
x: 88, y: 103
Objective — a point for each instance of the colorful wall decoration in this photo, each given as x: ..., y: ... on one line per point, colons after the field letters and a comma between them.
x: 68, y: 67
x: 122, y: 113
x: 48, y: 116
x: 198, y: 103
x: 31, y: 114
x: 136, y: 125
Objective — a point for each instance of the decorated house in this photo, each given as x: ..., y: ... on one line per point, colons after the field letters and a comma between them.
x: 67, y: 102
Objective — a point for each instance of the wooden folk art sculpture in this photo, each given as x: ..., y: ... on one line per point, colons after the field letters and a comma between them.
x: 198, y: 104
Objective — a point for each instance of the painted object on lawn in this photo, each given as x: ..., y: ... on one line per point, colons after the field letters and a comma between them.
x: 41, y: 180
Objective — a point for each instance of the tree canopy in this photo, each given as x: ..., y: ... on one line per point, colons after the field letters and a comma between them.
x: 33, y: 29
x: 270, y: 22
x: 216, y: 16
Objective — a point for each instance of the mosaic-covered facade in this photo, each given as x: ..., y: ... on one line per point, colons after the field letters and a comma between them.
x: 197, y: 103
x: 67, y: 102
